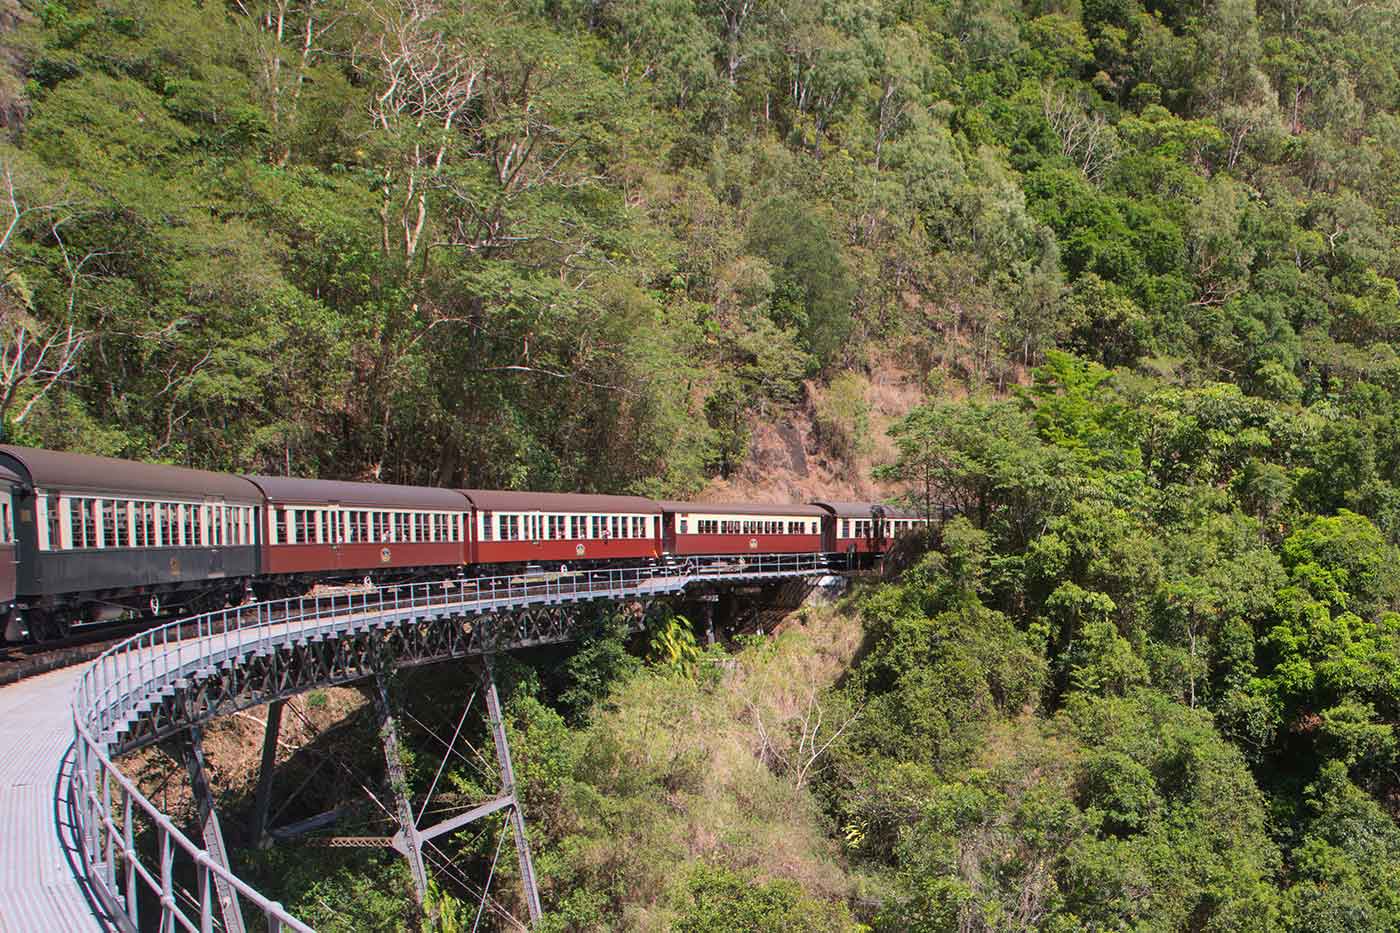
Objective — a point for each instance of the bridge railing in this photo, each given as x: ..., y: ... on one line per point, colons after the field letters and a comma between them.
x: 107, y: 806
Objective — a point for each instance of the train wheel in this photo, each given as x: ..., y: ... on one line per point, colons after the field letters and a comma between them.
x: 46, y: 626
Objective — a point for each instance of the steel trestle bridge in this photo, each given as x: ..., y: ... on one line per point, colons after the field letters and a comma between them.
x: 168, y: 682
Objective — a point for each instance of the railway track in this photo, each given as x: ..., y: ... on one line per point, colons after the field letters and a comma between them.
x: 29, y: 660
x: 21, y: 661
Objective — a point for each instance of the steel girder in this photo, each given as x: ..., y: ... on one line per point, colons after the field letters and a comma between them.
x: 270, y: 674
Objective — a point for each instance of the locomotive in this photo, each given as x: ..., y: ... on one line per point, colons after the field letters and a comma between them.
x: 86, y: 540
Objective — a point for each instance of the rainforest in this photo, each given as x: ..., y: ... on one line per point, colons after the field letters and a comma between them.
x: 1109, y: 286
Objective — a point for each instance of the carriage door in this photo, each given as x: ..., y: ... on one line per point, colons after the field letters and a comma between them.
x: 668, y: 531
x: 215, y: 534
x: 332, y: 533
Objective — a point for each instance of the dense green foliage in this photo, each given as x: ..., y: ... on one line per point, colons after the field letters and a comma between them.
x: 1150, y: 683
x: 1141, y: 258
x: 569, y: 244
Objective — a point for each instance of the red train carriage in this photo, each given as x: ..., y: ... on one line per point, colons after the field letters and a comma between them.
x: 553, y: 529
x: 863, y: 527
x: 327, y: 530
x: 699, y: 528
x: 9, y: 563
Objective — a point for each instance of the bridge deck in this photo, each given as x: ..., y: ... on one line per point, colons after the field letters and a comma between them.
x: 39, y: 886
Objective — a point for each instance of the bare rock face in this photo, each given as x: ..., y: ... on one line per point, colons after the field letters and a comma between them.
x: 13, y: 104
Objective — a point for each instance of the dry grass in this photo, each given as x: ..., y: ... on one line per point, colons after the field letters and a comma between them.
x: 744, y: 805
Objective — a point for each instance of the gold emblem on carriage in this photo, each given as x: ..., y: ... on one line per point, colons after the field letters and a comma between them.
x: 753, y: 544
x: 384, y: 555
x: 579, y: 550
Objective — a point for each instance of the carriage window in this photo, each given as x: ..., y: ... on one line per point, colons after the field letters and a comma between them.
x: 145, y: 524
x: 74, y: 508
x: 305, y: 529
x: 487, y: 523
x: 576, y: 526
x: 168, y: 518
x: 115, y: 523
x: 50, y: 509
x: 189, y: 526
x: 510, y: 527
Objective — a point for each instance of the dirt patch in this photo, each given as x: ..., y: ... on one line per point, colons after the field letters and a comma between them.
x: 787, y: 462
x: 233, y: 752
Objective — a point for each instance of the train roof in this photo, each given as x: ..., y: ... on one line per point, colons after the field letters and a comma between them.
x: 10, y: 476
x: 742, y: 508
x: 52, y: 469
x: 505, y: 500
x: 299, y: 491
x: 864, y: 509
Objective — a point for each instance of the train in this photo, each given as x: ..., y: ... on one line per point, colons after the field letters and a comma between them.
x: 89, y: 540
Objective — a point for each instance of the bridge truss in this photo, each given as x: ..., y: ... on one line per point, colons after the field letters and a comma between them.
x: 168, y: 682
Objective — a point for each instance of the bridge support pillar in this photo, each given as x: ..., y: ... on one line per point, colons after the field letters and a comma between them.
x: 262, y: 803
x: 707, y: 609
x: 517, y: 815
x: 213, y: 836
x: 398, y: 780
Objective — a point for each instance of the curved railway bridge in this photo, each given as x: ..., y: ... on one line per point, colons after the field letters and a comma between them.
x: 83, y: 848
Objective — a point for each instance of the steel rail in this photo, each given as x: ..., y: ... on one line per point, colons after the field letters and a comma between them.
x: 128, y: 679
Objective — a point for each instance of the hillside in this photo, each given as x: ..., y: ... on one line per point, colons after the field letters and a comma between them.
x: 589, y: 246
x: 1114, y: 280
